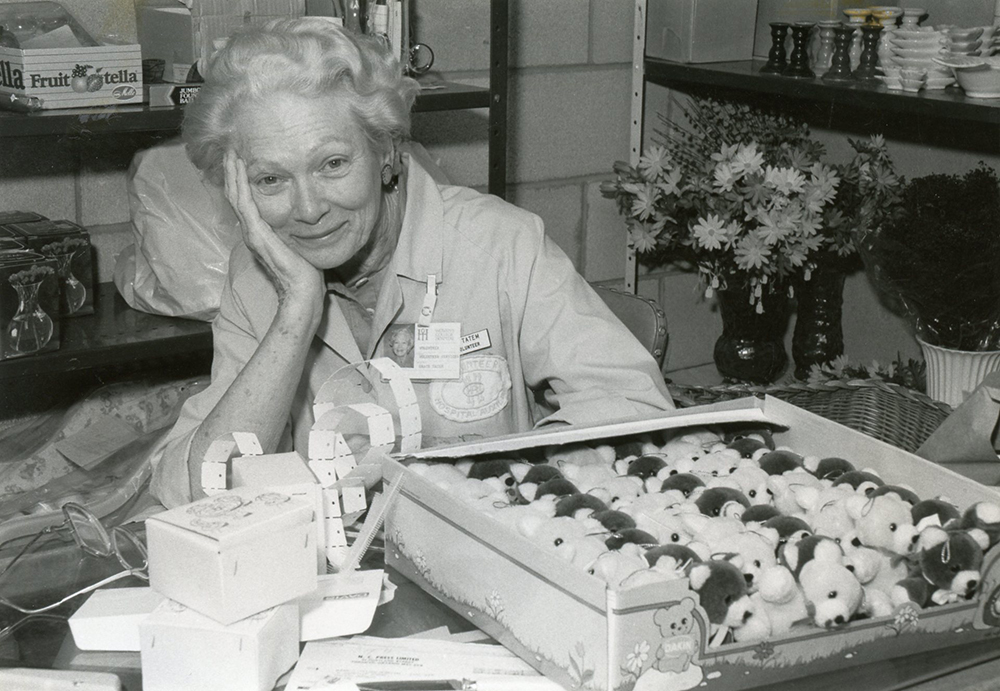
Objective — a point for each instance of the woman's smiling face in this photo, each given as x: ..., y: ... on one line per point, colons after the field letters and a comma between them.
x: 313, y: 174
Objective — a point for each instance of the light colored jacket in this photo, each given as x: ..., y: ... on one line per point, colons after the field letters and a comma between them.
x: 568, y: 358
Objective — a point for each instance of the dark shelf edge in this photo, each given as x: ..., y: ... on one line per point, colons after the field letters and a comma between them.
x: 950, y: 103
x: 114, y: 335
x: 82, y: 122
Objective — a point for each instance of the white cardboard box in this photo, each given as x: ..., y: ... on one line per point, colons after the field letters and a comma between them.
x: 109, y: 619
x: 343, y: 604
x: 700, y: 30
x: 74, y: 77
x: 574, y: 629
x: 183, y: 650
x: 234, y: 554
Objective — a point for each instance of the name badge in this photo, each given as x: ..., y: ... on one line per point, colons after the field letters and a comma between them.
x: 475, y: 342
x: 436, y: 349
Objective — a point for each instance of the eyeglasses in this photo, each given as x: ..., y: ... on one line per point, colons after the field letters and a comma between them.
x: 94, y: 540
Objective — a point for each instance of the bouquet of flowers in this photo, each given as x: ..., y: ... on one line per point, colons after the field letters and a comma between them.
x: 937, y: 258
x: 740, y: 195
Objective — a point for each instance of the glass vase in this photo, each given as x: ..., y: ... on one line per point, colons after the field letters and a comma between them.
x: 751, y: 348
x: 30, y: 329
x: 818, y: 337
x: 72, y: 292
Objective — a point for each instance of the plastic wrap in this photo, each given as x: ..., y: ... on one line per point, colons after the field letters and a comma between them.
x: 184, y: 230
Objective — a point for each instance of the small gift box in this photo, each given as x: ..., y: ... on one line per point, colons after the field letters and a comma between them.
x: 183, y: 650
x: 234, y: 554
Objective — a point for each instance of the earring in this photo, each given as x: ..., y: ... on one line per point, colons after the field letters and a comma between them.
x: 387, y: 176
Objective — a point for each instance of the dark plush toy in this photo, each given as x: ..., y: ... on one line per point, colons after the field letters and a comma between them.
x: 907, y: 495
x: 557, y: 486
x: 795, y: 555
x: 613, y: 520
x: 571, y: 504
x: 722, y: 501
x: 984, y: 516
x: 746, y: 447
x: 831, y: 468
x: 646, y: 466
x: 780, y: 461
x: 540, y: 473
x: 790, y: 529
x: 860, y: 480
x: 762, y: 434
x: 682, y: 555
x: 944, y: 513
x: 492, y: 467
x: 685, y: 483
x: 627, y: 449
x: 630, y: 535
x: 722, y: 592
x: 760, y: 513
x: 950, y: 562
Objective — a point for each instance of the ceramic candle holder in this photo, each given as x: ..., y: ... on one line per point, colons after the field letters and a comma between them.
x: 777, y: 59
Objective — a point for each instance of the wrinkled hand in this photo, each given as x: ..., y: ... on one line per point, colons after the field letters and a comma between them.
x: 295, y: 279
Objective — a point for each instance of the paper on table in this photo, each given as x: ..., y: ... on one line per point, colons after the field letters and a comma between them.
x: 97, y: 441
x: 323, y: 664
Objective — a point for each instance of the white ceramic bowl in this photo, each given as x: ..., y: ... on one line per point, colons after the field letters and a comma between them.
x: 964, y: 46
x: 965, y: 34
x: 921, y: 33
x: 916, y: 63
x: 979, y: 77
x: 934, y: 83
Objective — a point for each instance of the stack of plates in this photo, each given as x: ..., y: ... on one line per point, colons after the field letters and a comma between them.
x: 913, y: 53
x: 975, y: 41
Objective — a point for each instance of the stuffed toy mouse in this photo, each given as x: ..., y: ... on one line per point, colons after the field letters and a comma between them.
x: 950, y: 563
x: 829, y: 468
x: 937, y: 511
x: 984, y: 516
x: 721, y: 501
x: 780, y: 461
x: 722, y: 593
x: 862, y: 481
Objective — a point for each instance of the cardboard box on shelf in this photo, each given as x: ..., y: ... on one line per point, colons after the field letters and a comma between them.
x: 179, y: 34
x: 183, y: 650
x: 77, y: 55
x: 234, y: 554
x: 575, y: 629
x: 29, y: 303
x: 69, y: 244
x: 700, y: 30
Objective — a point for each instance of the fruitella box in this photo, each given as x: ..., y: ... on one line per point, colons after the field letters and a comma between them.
x: 48, y: 54
x: 584, y: 634
x: 29, y: 303
x: 69, y: 245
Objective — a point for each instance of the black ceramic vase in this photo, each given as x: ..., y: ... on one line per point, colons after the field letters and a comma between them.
x: 818, y: 337
x: 751, y: 349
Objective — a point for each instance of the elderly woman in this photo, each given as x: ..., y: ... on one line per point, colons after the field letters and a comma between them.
x: 346, y: 237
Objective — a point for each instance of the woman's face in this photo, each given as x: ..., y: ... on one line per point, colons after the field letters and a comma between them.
x: 314, y: 175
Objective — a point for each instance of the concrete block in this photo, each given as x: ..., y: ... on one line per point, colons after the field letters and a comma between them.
x: 611, y: 31
x: 561, y: 209
x: 555, y: 32
x: 460, y: 139
x: 604, y: 238
x: 568, y: 123
x: 102, y: 180
x: 38, y: 174
x: 457, y: 32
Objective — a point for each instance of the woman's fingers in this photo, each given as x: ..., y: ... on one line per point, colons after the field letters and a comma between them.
x: 288, y: 270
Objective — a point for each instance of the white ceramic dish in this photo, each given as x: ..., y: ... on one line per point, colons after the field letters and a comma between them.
x: 916, y: 63
x: 938, y: 83
x: 919, y: 53
x: 965, y: 34
x: 922, y: 33
x: 979, y: 77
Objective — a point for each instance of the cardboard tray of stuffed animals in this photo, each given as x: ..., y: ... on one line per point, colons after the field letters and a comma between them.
x: 584, y: 634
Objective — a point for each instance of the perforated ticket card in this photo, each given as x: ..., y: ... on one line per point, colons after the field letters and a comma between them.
x: 436, y: 349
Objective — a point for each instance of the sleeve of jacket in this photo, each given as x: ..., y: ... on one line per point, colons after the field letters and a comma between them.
x: 571, y: 344
x: 234, y: 342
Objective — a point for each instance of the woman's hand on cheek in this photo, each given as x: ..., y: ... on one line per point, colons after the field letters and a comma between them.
x: 297, y: 281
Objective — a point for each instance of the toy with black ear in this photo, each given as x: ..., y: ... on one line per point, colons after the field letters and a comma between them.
x: 950, y: 562
x: 722, y: 592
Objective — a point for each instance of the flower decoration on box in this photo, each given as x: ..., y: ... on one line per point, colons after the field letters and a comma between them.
x: 739, y: 194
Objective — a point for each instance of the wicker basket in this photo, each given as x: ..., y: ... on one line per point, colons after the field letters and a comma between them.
x: 889, y: 412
